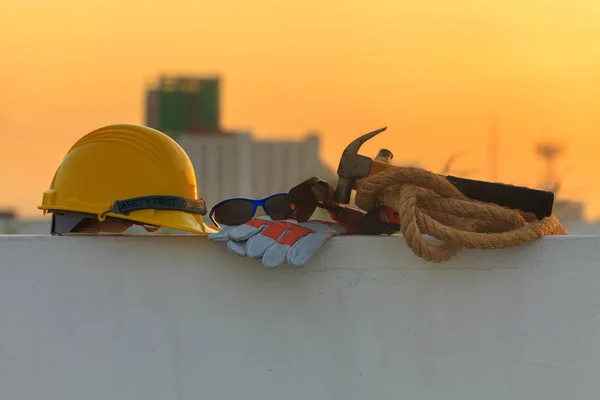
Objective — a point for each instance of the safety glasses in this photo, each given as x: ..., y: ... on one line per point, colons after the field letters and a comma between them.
x: 237, y: 211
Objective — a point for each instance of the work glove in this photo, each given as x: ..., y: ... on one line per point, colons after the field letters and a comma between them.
x: 274, y: 242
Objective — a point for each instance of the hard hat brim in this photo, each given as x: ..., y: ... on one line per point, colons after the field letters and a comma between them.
x: 173, y: 219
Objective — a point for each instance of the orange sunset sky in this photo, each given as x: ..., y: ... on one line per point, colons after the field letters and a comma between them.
x: 434, y: 72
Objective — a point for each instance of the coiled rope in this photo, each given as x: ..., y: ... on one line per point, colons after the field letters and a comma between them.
x: 428, y: 204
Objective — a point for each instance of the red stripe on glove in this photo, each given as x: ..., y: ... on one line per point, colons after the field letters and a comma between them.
x: 275, y: 229
x: 256, y: 223
x: 294, y: 234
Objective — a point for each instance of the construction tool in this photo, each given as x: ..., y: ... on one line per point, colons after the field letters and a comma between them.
x: 380, y: 220
x: 314, y: 192
x: 354, y: 166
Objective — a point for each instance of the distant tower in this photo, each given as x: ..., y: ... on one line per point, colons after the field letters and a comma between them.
x: 549, y: 152
x: 494, y: 149
x: 184, y: 104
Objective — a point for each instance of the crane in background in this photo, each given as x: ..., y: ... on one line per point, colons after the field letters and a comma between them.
x: 549, y: 152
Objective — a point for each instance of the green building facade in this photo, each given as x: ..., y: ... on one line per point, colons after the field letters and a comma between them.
x: 184, y: 104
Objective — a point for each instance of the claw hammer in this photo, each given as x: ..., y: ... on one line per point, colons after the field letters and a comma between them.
x: 354, y: 166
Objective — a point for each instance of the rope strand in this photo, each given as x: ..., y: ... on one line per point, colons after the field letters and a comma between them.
x: 430, y: 205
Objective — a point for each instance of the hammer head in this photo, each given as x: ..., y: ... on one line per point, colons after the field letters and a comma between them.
x: 353, y: 166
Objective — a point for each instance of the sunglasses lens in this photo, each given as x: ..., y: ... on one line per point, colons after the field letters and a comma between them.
x: 233, y: 212
x: 279, y: 207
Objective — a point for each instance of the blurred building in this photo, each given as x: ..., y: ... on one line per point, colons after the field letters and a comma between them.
x: 177, y: 104
x: 7, y: 221
x: 568, y: 210
x: 237, y: 165
x: 228, y: 164
x: 11, y: 224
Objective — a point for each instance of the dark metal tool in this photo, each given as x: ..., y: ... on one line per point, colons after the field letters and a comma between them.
x: 314, y: 192
x: 354, y: 166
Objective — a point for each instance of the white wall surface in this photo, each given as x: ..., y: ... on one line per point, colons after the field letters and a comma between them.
x: 156, y: 318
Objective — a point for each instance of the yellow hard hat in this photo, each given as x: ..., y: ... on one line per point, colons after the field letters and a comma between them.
x: 128, y: 172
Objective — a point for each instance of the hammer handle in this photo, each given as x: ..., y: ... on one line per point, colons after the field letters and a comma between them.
x: 538, y: 202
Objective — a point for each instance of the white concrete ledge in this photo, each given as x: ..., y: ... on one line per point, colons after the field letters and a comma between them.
x: 179, y: 317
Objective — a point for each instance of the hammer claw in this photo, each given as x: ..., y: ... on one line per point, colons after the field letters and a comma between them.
x: 353, y: 147
x: 353, y: 166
